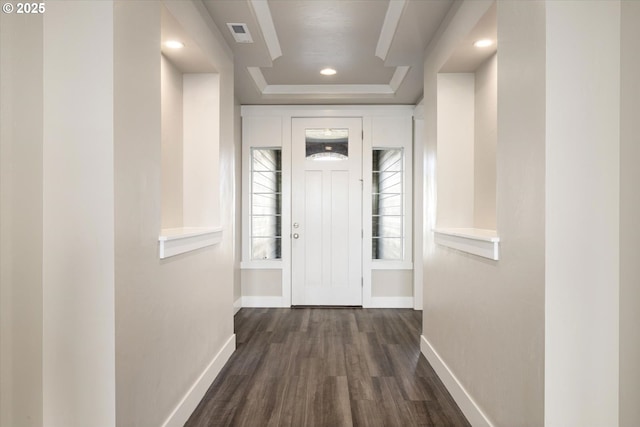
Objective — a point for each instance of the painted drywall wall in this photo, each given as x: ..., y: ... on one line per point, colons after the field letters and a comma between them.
x: 21, y: 86
x: 78, y: 234
x: 60, y: 257
x: 455, y: 127
x: 629, y: 214
x: 392, y: 283
x: 484, y: 148
x: 172, y: 141
x: 485, y: 319
x: 582, y: 213
x: 201, y: 95
x: 262, y: 283
x: 173, y: 316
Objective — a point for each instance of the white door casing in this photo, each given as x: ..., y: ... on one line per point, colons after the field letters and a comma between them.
x: 326, y: 233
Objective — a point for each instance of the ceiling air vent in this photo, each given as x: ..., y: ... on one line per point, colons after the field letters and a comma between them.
x: 240, y: 33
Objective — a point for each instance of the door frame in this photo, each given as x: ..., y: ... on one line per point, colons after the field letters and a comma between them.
x: 274, y: 123
x: 301, y: 292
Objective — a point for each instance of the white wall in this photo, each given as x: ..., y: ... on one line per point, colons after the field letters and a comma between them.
x: 78, y: 216
x: 566, y: 350
x: 455, y: 148
x: 485, y: 319
x: 21, y: 88
x: 484, y: 148
x: 392, y: 283
x: 58, y: 349
x: 81, y: 196
x: 261, y: 283
x: 582, y: 213
x: 172, y: 142
x: 173, y: 316
x: 629, y: 214
x: 201, y: 206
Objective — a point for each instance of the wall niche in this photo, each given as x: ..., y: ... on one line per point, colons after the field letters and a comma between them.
x: 190, y: 104
x: 466, y: 144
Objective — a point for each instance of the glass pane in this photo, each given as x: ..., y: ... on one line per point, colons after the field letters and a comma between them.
x: 386, y: 182
x: 266, y: 182
x: 266, y: 204
x: 387, y: 159
x: 327, y: 144
x: 389, y: 187
x: 388, y: 248
x: 266, y: 159
x: 387, y: 226
x: 266, y: 248
x: 265, y: 226
x: 387, y: 204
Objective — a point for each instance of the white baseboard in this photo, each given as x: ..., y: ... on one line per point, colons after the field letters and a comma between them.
x: 391, y: 302
x: 237, y: 305
x: 267, y: 302
x: 196, y: 392
x: 376, y: 302
x: 467, y: 405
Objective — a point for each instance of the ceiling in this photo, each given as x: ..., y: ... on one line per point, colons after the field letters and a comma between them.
x: 376, y: 46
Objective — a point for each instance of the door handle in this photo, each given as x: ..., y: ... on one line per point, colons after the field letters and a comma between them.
x: 296, y: 235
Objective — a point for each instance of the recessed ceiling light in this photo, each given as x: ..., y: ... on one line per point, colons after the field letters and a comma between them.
x: 174, y: 44
x: 483, y: 43
x: 327, y: 72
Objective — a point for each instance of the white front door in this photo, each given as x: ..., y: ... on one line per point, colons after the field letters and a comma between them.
x: 326, y: 244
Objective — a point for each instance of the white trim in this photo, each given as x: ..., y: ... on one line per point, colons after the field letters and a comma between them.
x: 367, y: 141
x: 196, y: 392
x: 237, y: 305
x: 418, y: 206
x: 261, y: 265
x: 270, y: 126
x: 333, y: 91
x: 484, y: 243
x: 336, y: 89
x: 285, y: 112
x: 467, y: 405
x: 268, y: 29
x: 175, y: 241
x: 389, y: 27
x: 286, y: 210
x: 390, y: 302
x: 398, y: 77
x: 270, y: 302
x: 391, y: 265
x: 258, y: 78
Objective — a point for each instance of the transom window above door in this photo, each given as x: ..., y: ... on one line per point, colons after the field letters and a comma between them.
x: 327, y: 144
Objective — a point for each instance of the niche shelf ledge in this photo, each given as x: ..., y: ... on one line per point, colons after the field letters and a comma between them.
x: 484, y: 243
x: 175, y: 241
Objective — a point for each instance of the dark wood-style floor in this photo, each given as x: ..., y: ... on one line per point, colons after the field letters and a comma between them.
x: 327, y: 367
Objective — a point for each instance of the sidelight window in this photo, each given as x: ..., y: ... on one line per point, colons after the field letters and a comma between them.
x: 387, y: 204
x: 266, y: 203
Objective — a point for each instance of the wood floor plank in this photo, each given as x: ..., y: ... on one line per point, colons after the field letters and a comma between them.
x: 327, y: 367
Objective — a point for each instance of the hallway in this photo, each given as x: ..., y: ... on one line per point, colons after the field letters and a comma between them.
x: 327, y: 367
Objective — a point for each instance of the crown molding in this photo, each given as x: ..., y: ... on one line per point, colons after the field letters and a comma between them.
x: 267, y: 27
x: 327, y: 90
x: 389, y: 27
